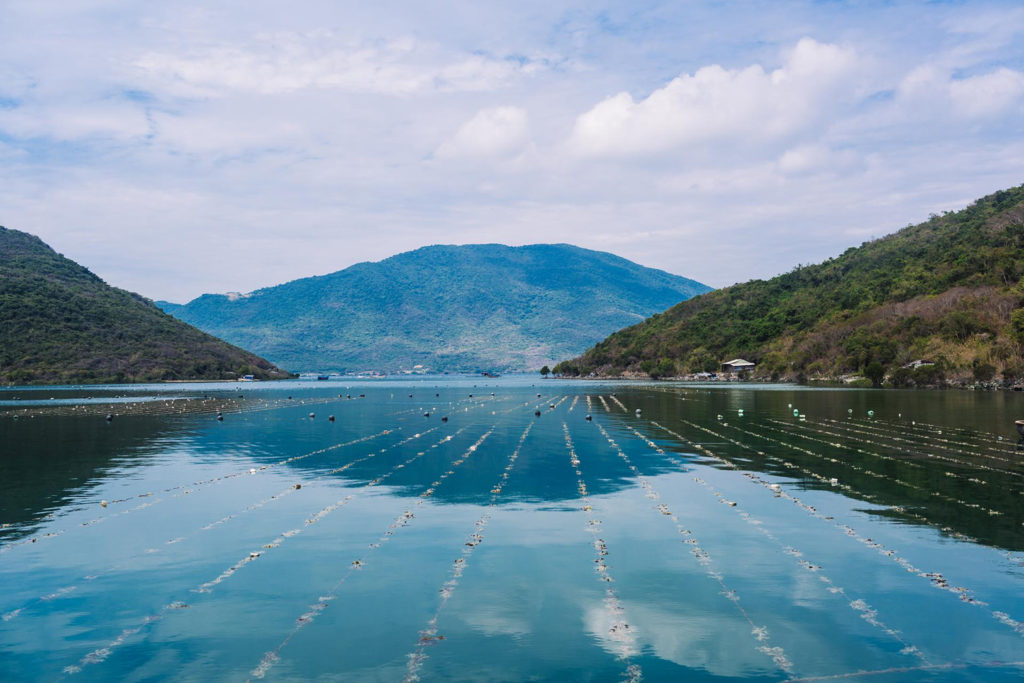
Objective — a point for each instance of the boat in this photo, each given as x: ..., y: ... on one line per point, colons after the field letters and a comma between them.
x: 323, y: 377
x: 490, y: 374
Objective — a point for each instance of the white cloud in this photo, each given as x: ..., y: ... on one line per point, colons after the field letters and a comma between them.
x: 932, y: 92
x: 988, y: 94
x: 717, y: 103
x: 493, y: 132
x: 284, y: 63
x: 816, y: 157
x: 109, y: 121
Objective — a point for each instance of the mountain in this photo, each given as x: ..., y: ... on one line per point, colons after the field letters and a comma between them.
x: 61, y: 323
x: 947, y: 291
x: 446, y: 308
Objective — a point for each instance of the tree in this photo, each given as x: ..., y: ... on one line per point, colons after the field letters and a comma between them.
x: 875, y: 372
x: 545, y: 371
x: 983, y: 372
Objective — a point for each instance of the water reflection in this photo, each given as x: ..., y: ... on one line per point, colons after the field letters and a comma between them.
x: 512, y: 545
x: 50, y: 462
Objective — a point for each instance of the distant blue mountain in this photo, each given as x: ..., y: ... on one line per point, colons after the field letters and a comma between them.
x: 446, y: 308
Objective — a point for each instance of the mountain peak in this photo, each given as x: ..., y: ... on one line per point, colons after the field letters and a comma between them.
x: 445, y: 307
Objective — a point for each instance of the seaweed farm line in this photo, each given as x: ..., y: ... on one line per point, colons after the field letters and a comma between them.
x: 510, y: 529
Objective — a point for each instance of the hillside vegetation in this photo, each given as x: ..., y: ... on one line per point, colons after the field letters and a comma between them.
x: 445, y: 308
x: 947, y: 291
x: 59, y: 323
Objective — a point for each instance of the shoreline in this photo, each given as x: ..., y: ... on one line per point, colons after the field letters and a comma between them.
x: 957, y: 385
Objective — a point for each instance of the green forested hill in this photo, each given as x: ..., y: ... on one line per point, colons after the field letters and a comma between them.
x: 447, y: 308
x: 61, y: 323
x: 948, y: 290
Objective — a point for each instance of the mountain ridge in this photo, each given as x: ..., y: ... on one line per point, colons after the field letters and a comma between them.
x: 947, y: 291
x: 59, y: 322
x: 445, y: 307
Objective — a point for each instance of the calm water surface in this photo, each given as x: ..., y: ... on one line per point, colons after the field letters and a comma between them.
x: 670, y: 537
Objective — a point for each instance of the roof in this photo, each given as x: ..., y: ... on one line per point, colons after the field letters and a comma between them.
x: 737, y: 362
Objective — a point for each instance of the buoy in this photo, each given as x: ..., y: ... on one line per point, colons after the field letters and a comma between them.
x: 849, y: 411
x: 796, y: 412
x: 537, y: 413
x: 330, y: 418
x: 298, y: 486
x: 444, y: 419
x: 220, y: 418
x: 312, y: 415
x: 362, y: 395
x: 871, y: 413
x: 103, y: 503
x: 426, y: 414
x: 589, y: 419
x: 110, y: 418
x: 471, y: 395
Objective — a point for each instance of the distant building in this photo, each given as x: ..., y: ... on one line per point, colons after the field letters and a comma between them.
x: 918, y: 363
x: 737, y: 365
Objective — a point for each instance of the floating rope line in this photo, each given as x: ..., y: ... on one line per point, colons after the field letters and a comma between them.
x: 620, y: 631
x: 848, y: 434
x: 939, y: 434
x: 759, y: 633
x: 873, y: 430
x: 575, y: 400
x: 952, y: 666
x: 843, y: 463
x: 831, y: 481
x: 860, y: 606
x: 1009, y: 555
x: 100, y: 654
x: 589, y: 405
x: 922, y: 489
x: 981, y: 436
x: 185, y: 405
x: 403, y: 520
x: 429, y: 634
x: 834, y: 483
x: 615, y: 398
x: 935, y: 578
x: 605, y: 404
x: 319, y: 515
x: 61, y: 592
x: 187, y: 489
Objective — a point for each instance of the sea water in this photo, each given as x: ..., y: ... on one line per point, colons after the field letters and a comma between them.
x: 234, y: 532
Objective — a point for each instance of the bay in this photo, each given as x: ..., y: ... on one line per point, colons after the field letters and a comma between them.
x: 694, y: 532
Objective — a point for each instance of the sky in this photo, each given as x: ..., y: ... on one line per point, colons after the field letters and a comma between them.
x: 179, y: 148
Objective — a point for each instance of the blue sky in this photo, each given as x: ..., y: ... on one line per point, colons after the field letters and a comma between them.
x: 181, y: 148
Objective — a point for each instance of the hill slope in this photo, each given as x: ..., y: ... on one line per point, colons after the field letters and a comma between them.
x: 61, y: 323
x: 448, y: 308
x: 948, y: 290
